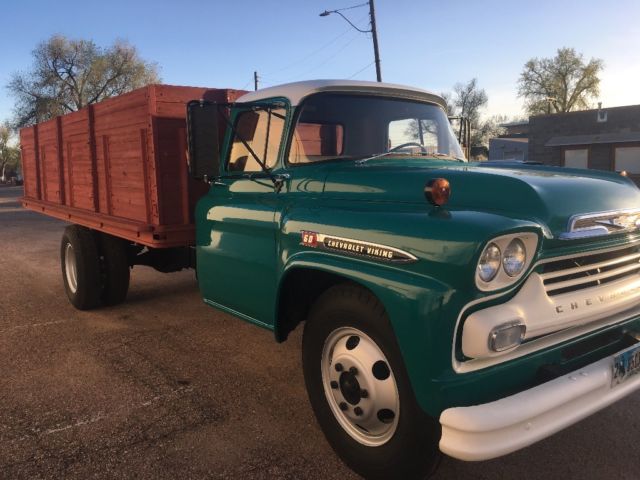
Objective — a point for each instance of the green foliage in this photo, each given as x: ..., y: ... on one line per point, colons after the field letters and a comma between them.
x: 9, y: 154
x: 70, y: 74
x: 563, y: 83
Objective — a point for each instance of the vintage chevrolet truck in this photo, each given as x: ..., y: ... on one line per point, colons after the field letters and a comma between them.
x: 465, y: 308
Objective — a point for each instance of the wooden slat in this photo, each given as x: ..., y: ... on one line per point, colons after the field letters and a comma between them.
x: 94, y: 158
x: 145, y: 161
x: 60, y: 150
x: 107, y: 171
x: 36, y: 144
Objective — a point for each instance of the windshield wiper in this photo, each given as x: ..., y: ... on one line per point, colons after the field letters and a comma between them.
x: 446, y: 155
x: 360, y: 161
x: 425, y: 154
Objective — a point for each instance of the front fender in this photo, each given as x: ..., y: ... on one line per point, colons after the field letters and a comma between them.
x: 413, y: 304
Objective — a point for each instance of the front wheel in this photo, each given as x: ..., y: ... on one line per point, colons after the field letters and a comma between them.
x: 360, y: 391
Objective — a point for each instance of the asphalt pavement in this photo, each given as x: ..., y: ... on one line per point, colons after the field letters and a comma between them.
x: 165, y: 387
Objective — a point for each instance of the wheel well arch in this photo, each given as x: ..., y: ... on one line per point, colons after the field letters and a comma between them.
x: 299, y: 289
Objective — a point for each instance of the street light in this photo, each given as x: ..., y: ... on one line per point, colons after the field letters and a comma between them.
x: 373, y: 31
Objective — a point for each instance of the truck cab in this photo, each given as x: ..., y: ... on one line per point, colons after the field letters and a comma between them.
x: 468, y: 308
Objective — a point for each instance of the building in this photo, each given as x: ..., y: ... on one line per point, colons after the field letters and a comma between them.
x: 513, y: 144
x: 604, y: 139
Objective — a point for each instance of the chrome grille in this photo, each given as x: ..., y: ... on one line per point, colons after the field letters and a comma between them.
x: 572, y: 274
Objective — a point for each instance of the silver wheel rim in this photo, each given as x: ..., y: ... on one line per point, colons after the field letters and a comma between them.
x: 360, y: 386
x: 70, y: 268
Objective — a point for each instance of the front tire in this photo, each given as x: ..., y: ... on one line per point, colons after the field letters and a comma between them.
x: 80, y: 267
x: 359, y: 389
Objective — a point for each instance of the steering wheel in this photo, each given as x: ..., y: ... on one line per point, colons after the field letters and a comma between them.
x: 409, y: 144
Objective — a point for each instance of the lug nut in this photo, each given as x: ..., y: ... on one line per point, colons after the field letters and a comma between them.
x: 353, y: 371
x: 334, y: 384
x: 343, y: 406
x: 357, y: 411
x: 364, y: 394
x: 339, y: 367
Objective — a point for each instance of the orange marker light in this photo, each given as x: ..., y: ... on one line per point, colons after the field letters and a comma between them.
x: 623, y: 173
x: 438, y: 191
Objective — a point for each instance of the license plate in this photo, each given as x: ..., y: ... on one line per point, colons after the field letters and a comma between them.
x: 625, y: 365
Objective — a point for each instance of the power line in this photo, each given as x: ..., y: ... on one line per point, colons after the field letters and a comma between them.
x: 329, y: 58
x: 316, y: 51
x: 354, y: 6
x: 362, y: 69
x: 306, y: 57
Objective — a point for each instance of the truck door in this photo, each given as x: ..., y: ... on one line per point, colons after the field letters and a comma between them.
x: 236, y: 222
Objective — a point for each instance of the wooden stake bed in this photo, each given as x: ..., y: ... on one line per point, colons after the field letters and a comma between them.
x: 119, y: 166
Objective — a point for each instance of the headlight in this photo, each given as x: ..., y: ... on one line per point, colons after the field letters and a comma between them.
x: 504, y: 260
x: 515, y: 257
x: 489, y: 263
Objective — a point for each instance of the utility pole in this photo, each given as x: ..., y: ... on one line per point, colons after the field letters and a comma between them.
x: 373, y: 31
x: 255, y: 80
x: 374, y: 34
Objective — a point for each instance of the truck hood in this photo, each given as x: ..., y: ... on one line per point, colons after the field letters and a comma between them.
x: 551, y: 195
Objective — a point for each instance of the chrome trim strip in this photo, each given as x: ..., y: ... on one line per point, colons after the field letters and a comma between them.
x: 551, y: 339
x: 586, y: 268
x: 591, y: 278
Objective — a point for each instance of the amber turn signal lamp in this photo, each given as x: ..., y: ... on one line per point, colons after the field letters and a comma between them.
x: 624, y: 173
x: 438, y: 191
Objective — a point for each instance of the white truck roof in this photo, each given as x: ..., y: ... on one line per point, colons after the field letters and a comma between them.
x: 297, y: 91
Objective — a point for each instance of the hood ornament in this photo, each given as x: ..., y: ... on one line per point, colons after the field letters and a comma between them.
x: 603, y: 223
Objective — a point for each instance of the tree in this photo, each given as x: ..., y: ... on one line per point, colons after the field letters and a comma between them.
x: 466, y: 101
x: 561, y: 84
x: 9, y: 155
x: 488, y: 129
x: 70, y: 74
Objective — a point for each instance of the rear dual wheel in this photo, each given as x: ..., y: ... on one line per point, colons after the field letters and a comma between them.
x: 95, y: 268
x: 360, y: 391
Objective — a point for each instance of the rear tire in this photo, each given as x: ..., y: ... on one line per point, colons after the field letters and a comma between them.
x: 115, y: 269
x: 360, y: 391
x: 80, y: 267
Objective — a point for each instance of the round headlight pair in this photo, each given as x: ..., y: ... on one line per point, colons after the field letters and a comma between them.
x: 513, y: 260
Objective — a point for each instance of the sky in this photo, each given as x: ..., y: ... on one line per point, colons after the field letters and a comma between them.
x: 423, y: 43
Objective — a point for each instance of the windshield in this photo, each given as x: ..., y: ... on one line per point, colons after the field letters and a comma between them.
x: 334, y: 126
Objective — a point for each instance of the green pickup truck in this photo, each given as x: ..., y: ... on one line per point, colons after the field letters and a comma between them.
x: 465, y: 308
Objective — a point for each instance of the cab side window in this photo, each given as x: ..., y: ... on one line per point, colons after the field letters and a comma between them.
x: 262, y: 131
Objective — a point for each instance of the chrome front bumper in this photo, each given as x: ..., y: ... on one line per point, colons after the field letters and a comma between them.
x: 494, y: 429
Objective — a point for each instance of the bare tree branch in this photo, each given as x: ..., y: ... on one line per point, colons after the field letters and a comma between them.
x: 69, y: 74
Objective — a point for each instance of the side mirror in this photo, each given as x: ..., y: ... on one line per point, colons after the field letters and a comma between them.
x: 203, y: 140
